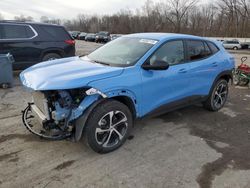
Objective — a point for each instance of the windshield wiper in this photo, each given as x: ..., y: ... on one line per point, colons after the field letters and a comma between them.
x: 99, y: 62
x: 96, y: 61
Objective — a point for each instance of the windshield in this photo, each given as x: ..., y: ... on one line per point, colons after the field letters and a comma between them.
x: 122, y: 51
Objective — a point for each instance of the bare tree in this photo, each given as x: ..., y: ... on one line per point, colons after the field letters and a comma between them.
x: 44, y: 19
x: 23, y: 18
x: 225, y: 18
x: 1, y: 17
x: 178, y: 10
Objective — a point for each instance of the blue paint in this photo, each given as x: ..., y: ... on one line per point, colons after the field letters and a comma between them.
x: 147, y: 89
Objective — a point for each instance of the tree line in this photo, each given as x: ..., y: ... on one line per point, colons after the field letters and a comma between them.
x: 220, y: 18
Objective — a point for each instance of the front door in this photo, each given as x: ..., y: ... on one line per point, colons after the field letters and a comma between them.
x: 162, y: 87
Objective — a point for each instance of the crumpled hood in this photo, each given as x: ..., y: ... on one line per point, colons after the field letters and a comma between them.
x: 67, y: 73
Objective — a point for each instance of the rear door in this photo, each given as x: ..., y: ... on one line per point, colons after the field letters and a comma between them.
x: 16, y: 39
x: 204, y: 60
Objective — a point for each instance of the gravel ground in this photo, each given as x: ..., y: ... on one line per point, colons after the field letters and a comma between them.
x: 186, y: 148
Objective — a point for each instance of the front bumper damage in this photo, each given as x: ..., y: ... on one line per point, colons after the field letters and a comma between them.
x: 59, y: 119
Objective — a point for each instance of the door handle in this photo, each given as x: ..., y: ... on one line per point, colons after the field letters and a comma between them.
x: 214, y: 64
x: 182, y: 70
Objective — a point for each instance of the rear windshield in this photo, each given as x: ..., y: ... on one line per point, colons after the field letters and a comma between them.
x: 55, y: 32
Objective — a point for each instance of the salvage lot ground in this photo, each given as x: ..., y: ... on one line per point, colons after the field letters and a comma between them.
x: 190, y: 147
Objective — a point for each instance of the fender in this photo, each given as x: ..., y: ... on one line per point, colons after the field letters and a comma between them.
x: 80, y: 122
x: 125, y: 93
x: 94, y: 98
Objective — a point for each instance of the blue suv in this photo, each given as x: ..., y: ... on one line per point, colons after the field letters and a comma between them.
x: 100, y: 95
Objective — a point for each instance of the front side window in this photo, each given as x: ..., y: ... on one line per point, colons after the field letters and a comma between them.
x: 11, y: 31
x: 172, y: 52
x: 197, y: 50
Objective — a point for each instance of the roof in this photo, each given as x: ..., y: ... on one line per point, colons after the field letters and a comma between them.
x: 162, y: 36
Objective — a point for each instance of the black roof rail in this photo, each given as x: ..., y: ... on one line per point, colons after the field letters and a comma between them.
x: 27, y: 22
x: 18, y: 21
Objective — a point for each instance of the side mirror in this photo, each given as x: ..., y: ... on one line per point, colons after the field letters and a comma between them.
x: 157, y: 65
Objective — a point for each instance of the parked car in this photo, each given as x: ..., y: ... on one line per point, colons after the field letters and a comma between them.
x: 90, y: 37
x: 131, y: 77
x: 102, y: 37
x: 232, y: 44
x: 82, y: 36
x: 244, y: 45
x: 30, y: 43
x: 74, y: 34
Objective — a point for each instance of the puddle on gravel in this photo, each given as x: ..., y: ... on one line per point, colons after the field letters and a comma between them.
x: 131, y: 137
x: 7, y: 156
x: 234, y: 133
x: 6, y: 107
x: 5, y: 93
x: 64, y: 165
x: 25, y: 137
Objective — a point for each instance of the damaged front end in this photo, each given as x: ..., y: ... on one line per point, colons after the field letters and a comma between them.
x: 53, y: 114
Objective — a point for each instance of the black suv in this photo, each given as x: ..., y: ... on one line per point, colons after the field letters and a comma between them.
x: 102, y: 37
x: 30, y: 43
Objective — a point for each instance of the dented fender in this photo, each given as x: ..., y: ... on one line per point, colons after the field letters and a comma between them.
x: 81, y: 121
x: 95, y: 97
x: 92, y: 96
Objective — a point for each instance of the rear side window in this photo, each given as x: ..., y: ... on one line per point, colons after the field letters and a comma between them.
x: 213, y: 47
x: 12, y: 31
x: 197, y: 50
x: 55, y: 32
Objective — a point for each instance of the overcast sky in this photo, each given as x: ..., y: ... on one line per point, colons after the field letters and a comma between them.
x: 65, y: 9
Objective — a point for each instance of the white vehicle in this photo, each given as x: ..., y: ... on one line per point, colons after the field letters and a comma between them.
x: 233, y: 44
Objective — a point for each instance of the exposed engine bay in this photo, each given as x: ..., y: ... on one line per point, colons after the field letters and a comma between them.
x: 51, y: 114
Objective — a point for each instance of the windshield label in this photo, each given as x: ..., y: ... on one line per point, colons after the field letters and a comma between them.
x: 148, y: 41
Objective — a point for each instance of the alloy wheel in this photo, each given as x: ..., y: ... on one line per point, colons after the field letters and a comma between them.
x: 220, y: 95
x: 111, y: 129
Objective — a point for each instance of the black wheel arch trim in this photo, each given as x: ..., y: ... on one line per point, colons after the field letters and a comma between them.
x: 52, y: 50
x: 227, y: 73
x: 81, y: 121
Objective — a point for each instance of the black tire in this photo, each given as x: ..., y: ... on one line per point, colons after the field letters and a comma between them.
x: 235, y: 48
x: 51, y: 56
x: 236, y: 77
x: 244, y: 82
x: 98, y: 133
x: 219, y: 93
x: 5, y: 86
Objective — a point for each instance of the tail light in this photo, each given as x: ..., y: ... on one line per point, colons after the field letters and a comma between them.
x: 70, y: 42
